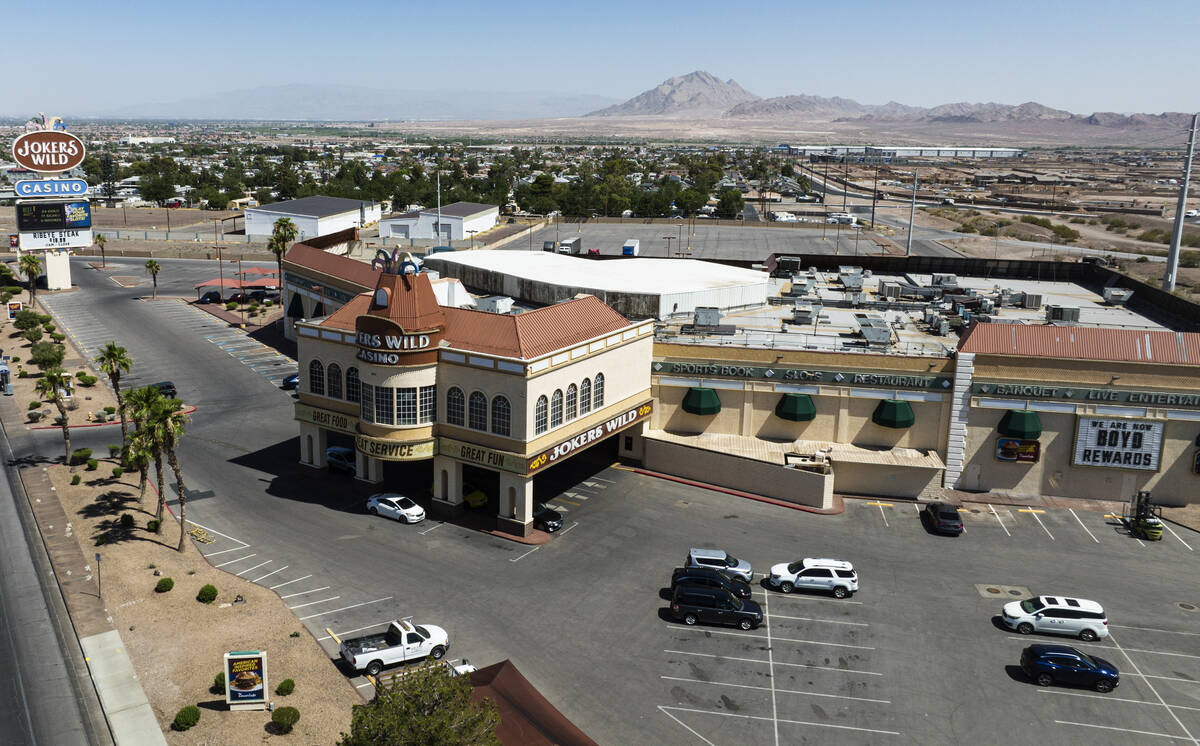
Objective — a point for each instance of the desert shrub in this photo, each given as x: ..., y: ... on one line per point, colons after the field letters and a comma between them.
x: 231, y: 305
x: 207, y: 594
x: 113, y: 451
x: 79, y: 455
x: 111, y: 410
x: 44, y: 318
x: 92, y: 464
x: 151, y: 525
x: 14, y: 359
x: 75, y: 479
x: 284, y: 718
x: 86, y: 380
x: 47, y: 354
x: 1142, y: 259
x: 60, y: 338
x: 1080, y: 221
x: 32, y: 336
x: 102, y: 539
x: 186, y: 718
x: 286, y: 687
x: 22, y: 374
x: 126, y: 520
x: 50, y: 328
x: 117, y: 472
x: 163, y: 585
x: 218, y: 686
x: 34, y: 405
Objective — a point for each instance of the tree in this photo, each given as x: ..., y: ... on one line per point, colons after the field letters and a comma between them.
x: 31, y: 266
x: 171, y: 419
x: 138, y: 453
x: 283, y: 232
x: 47, y: 355
x: 730, y: 203
x: 156, y: 187
x: 148, y: 439
x: 690, y: 200
x: 100, y: 240
x: 152, y: 269
x: 787, y: 170
x: 108, y: 177
x: 26, y: 319
x: 34, y: 335
x: 114, y: 360
x: 52, y: 387
x: 425, y: 707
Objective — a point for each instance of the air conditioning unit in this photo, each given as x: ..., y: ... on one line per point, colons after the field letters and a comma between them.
x: 1062, y: 314
x: 707, y: 316
x: 890, y: 290
x: 1117, y: 296
x: 944, y: 280
x: 495, y: 304
x: 1033, y: 300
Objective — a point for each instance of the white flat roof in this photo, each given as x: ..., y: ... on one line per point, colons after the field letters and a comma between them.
x: 632, y: 274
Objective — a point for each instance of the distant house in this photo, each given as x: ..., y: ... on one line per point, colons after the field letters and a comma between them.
x: 459, y: 221
x: 313, y: 216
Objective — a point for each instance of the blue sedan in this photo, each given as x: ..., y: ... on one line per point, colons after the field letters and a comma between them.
x: 1062, y: 664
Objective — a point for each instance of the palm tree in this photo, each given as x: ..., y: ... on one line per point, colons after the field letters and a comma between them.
x: 170, y: 421
x: 100, y: 240
x: 113, y: 359
x: 152, y: 269
x: 147, y: 441
x: 283, y: 233
x: 51, y: 387
x: 31, y: 266
x: 138, y: 452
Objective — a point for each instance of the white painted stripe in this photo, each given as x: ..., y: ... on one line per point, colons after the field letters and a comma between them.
x: 826, y: 621
x: 314, y: 603
x: 422, y: 533
x: 771, y: 669
x: 1181, y: 541
x: 685, y: 725
x: 817, y: 599
x: 1039, y: 520
x: 1085, y: 528
x: 239, y: 559
x: 789, y: 722
x: 792, y: 665
x: 223, y: 551
x: 781, y: 691
x: 1108, y: 698
x: 568, y: 528
x: 360, y: 686
x: 218, y: 533
x: 1122, y: 730
x: 302, y: 593
x: 993, y: 509
x: 1150, y: 686
x: 352, y: 606
x: 1154, y: 629
x: 248, y: 569
x: 297, y: 580
x: 706, y: 631
x: 883, y: 516
x: 269, y: 574
x: 348, y: 632
x: 523, y: 556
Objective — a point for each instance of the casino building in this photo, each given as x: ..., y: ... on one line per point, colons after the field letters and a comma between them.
x: 488, y: 400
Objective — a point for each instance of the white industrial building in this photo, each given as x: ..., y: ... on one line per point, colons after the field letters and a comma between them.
x: 313, y: 216
x: 944, y: 151
x: 636, y: 287
x: 459, y: 221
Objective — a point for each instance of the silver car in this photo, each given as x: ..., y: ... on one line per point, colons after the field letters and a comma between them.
x: 719, y: 559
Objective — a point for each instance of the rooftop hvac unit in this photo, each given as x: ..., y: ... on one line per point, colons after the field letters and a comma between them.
x: 1033, y: 300
x: 890, y: 290
x: 942, y: 328
x: 846, y: 269
x: 852, y: 281
x: 874, y: 329
x: 1117, y: 296
x: 931, y: 315
x: 495, y: 304
x: 944, y: 280
x: 1062, y: 314
x: 805, y: 314
x: 855, y: 298
x: 707, y: 316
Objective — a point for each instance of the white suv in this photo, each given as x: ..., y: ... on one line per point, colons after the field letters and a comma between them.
x: 1060, y: 615
x: 831, y: 575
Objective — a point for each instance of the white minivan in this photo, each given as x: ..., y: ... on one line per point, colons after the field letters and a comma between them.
x: 1058, y: 615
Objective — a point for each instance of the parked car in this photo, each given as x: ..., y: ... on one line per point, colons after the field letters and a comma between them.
x: 1062, y: 664
x: 394, y: 505
x: 708, y: 577
x: 691, y: 604
x: 212, y: 296
x: 291, y: 382
x: 473, y: 497
x: 546, y: 518
x: 943, y: 518
x: 403, y: 641
x: 1059, y: 615
x: 166, y: 388
x: 341, y: 458
x: 836, y: 576
x: 261, y: 295
x: 720, y: 560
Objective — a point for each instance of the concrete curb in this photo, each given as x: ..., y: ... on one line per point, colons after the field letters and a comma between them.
x: 837, y: 510
x: 121, y: 694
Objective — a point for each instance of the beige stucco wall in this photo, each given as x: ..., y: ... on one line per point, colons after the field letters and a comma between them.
x: 884, y: 480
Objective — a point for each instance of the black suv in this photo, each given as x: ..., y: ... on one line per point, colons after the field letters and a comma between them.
x: 707, y: 577
x: 166, y: 388
x: 692, y: 604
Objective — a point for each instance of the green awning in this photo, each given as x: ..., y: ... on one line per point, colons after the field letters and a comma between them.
x: 1021, y: 423
x: 699, y: 400
x: 796, y: 407
x: 893, y: 413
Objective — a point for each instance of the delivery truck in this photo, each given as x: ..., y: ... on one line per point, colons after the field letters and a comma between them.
x: 631, y: 247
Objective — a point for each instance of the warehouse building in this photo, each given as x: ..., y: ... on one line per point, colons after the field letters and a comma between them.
x: 313, y: 216
x: 458, y: 222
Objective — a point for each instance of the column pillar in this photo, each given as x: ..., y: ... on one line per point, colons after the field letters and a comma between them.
x: 367, y: 469
x: 313, y: 442
x: 447, y: 487
x: 516, y: 504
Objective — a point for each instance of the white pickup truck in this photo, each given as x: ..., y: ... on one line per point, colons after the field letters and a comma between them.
x: 403, y: 641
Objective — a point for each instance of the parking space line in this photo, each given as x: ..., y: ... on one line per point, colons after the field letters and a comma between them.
x: 881, y: 513
x: 813, y: 666
x: 1034, y: 512
x: 297, y: 580
x: 771, y: 668
x: 347, y: 632
x: 794, y: 597
x: 352, y: 606
x: 314, y: 603
x: 1181, y: 541
x: 1154, y: 652
x: 685, y: 725
x: 1150, y: 686
x: 568, y: 528
x: 422, y: 533
x: 1107, y: 698
x: 1123, y: 730
x: 826, y: 621
x: 223, y: 551
x: 302, y: 593
x: 523, y: 556
x: 785, y: 639
x: 783, y: 691
x: 568, y: 502
x: 1085, y: 528
x: 218, y: 533
x: 248, y: 569
x: 993, y: 509
x: 270, y: 574
x: 1153, y: 629
x: 239, y: 559
x: 789, y: 722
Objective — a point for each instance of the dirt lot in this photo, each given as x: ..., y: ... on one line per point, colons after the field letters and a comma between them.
x: 145, y: 218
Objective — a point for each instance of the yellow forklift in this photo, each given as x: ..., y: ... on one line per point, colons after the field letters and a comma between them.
x: 1143, y: 518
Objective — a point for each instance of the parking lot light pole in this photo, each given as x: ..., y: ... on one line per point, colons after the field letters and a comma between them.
x: 241, y: 289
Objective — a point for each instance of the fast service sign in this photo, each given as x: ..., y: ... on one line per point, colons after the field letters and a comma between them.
x: 246, y: 680
x: 1118, y: 443
x: 48, y: 151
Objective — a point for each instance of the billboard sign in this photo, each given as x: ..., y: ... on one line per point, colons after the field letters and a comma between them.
x: 1118, y: 443
x: 48, y: 151
x: 246, y: 680
x: 14, y: 306
x: 1017, y: 450
x: 67, y: 239
x: 51, y: 216
x: 52, y: 188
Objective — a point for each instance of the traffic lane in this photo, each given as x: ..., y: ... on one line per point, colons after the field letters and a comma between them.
x: 176, y: 276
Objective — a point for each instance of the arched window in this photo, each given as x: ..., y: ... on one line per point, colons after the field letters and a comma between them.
x: 598, y: 391
x: 353, y: 385
x: 539, y: 416
x: 454, y: 406
x: 501, y: 416
x: 316, y: 378
x: 585, y: 396
x: 556, y: 408
x: 477, y: 411
x: 333, y: 379
x: 572, y: 399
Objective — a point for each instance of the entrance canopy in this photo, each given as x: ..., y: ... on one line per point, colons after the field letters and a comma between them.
x: 700, y: 400
x: 894, y: 413
x: 233, y: 282
x: 796, y: 407
x: 1021, y: 423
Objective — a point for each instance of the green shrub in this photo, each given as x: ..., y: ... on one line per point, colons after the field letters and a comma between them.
x: 80, y: 373
x: 117, y: 472
x: 186, y: 718
x: 113, y: 451
x: 89, y: 381
x: 163, y: 585
x: 151, y: 525
x: 112, y: 410
x: 34, y: 405
x: 22, y: 374
x: 267, y: 303
x: 207, y: 594
x: 75, y: 479
x: 231, y: 305
x: 102, y: 539
x: 1142, y: 259
x: 92, y: 464
x: 57, y: 337
x: 79, y: 455
x: 284, y: 718
x: 14, y: 359
x: 44, y: 318
x: 1080, y: 221
x: 218, y: 686
x: 286, y: 687
x: 13, y: 290
x: 32, y: 336
x: 126, y: 520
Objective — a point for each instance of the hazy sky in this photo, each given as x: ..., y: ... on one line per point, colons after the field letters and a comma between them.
x: 1081, y: 56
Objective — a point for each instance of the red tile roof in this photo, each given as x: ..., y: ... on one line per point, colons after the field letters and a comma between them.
x: 1084, y: 343
x: 533, y: 333
x: 342, y: 267
x: 411, y: 303
x: 344, y: 317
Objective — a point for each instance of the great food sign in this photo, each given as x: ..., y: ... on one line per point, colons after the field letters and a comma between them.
x: 48, y: 152
x: 1118, y: 443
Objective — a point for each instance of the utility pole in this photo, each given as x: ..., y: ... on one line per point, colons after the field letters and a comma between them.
x: 874, y: 194
x: 1180, y: 208
x: 912, y: 214
x: 438, y: 231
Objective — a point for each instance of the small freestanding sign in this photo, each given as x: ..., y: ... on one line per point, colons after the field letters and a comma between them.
x: 246, y: 680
